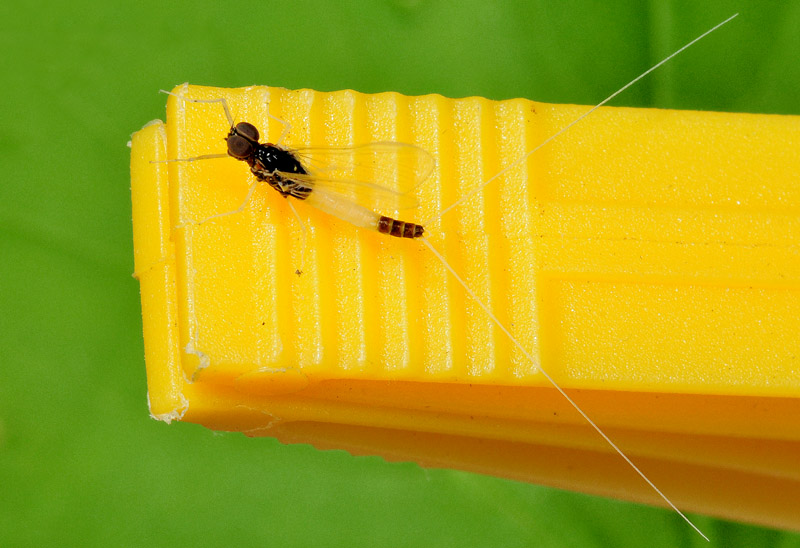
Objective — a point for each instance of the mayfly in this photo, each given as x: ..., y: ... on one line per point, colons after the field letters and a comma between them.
x: 328, y: 186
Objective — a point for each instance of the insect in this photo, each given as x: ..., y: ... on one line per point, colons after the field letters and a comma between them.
x: 328, y: 187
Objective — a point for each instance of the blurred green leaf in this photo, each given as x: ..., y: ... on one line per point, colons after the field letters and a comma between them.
x: 81, y: 464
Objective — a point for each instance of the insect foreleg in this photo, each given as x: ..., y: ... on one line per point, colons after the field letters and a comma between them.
x: 221, y: 101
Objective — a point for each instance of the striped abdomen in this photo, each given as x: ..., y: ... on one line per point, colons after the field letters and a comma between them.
x: 401, y: 229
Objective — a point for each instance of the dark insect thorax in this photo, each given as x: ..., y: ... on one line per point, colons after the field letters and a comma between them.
x: 275, y: 166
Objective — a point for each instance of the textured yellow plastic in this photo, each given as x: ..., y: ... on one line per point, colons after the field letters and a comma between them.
x: 647, y: 259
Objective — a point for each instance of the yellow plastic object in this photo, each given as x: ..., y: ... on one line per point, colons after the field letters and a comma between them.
x: 648, y: 259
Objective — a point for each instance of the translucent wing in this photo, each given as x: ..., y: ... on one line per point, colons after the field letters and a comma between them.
x: 382, y: 175
x: 370, y: 195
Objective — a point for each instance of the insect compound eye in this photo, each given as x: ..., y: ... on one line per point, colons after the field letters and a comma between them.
x: 239, y: 147
x: 248, y: 131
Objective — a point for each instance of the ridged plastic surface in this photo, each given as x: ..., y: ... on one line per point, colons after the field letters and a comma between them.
x: 647, y: 259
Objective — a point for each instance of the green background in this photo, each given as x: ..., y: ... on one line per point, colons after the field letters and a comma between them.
x: 81, y: 463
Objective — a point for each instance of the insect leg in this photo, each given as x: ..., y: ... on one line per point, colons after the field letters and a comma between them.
x: 221, y: 101
x: 192, y: 159
x: 237, y: 210
x: 287, y: 128
x: 304, y: 231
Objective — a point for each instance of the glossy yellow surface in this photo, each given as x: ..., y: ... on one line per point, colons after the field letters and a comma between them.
x: 648, y: 259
